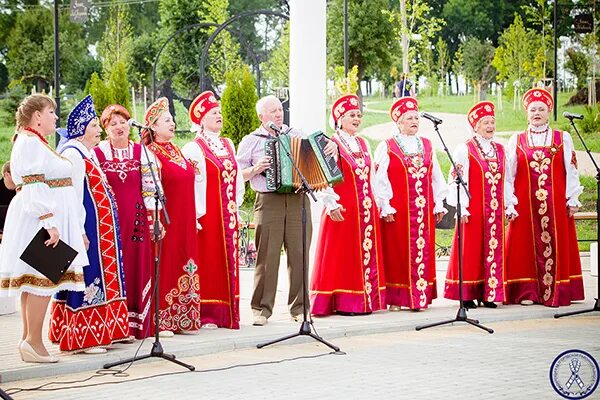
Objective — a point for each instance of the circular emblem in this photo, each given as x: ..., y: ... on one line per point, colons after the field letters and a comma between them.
x: 574, y: 374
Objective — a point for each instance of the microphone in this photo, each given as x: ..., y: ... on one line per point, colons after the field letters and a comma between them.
x: 133, y: 123
x: 430, y: 117
x: 271, y: 125
x: 570, y: 116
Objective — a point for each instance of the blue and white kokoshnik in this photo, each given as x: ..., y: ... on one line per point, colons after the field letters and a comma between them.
x: 79, y: 118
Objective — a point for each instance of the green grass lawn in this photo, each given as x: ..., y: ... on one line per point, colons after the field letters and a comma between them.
x: 506, y: 120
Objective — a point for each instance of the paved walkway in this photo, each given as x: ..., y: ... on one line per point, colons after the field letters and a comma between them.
x: 221, y: 340
x: 457, y: 363
x: 455, y: 130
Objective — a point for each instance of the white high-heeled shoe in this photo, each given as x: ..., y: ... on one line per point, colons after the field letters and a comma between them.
x: 28, y: 354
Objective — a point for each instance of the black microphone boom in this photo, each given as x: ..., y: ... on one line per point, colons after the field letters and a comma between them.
x: 134, y: 123
x: 430, y: 117
x: 570, y: 116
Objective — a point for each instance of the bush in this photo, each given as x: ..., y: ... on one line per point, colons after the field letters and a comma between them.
x: 115, y: 90
x: 238, y: 105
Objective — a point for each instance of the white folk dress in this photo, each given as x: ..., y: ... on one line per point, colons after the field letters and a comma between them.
x: 43, y: 178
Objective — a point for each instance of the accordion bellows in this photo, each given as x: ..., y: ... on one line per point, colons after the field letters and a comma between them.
x: 319, y: 170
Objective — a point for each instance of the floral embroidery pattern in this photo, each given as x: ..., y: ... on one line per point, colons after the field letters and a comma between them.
x: 362, y: 172
x: 494, y: 178
x: 418, y: 171
x: 540, y: 166
x: 183, y: 303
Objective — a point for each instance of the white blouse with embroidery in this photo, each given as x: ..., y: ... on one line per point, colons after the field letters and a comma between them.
x: 461, y: 158
x: 539, y: 138
x: 328, y: 195
x: 195, y: 154
x: 382, y: 185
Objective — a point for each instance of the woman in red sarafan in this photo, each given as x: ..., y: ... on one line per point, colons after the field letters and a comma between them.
x: 219, y: 192
x: 543, y: 264
x: 481, y: 161
x: 410, y: 192
x: 179, y: 281
x: 348, y: 272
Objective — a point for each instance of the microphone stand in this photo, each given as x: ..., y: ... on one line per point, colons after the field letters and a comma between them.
x: 597, y: 303
x: 157, y: 349
x: 4, y: 395
x: 305, y: 329
x: 461, y: 315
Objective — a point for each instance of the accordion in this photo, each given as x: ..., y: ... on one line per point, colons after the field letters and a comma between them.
x: 318, y: 169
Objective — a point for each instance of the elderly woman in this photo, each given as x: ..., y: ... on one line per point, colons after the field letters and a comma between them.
x: 410, y: 190
x: 543, y: 263
x: 481, y: 161
x: 103, y: 303
x: 219, y: 192
x: 348, y: 275
x: 46, y: 200
x: 126, y: 169
x: 179, y: 293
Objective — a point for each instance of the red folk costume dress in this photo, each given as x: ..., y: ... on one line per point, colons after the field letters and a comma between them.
x: 126, y: 169
x: 543, y: 262
x: 409, y: 185
x: 482, y: 163
x: 219, y: 192
x: 179, y: 289
x: 348, y: 274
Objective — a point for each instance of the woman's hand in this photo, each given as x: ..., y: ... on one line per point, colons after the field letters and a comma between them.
x: 54, y: 236
x: 464, y: 219
x: 161, y: 231
x: 439, y: 216
x: 336, y: 215
x: 510, y: 217
x: 572, y: 211
x: 389, y: 218
x: 86, y: 242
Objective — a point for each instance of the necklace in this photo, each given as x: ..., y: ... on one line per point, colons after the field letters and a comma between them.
x: 417, y: 158
x: 171, y: 152
x: 531, y: 133
x: 491, y: 154
x: 357, y: 156
x: 43, y: 139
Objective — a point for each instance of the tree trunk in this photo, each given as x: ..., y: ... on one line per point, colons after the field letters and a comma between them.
x: 404, y: 38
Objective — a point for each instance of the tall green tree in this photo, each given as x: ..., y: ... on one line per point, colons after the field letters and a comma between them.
x: 412, y: 20
x: 518, y: 58
x: 372, y: 38
x: 477, y: 56
x: 30, y: 43
x: 443, y: 62
x: 116, y: 45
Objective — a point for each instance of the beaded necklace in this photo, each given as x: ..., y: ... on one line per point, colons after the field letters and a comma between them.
x: 216, y: 149
x: 416, y: 158
x: 531, y: 133
x: 359, y: 156
x: 42, y: 138
x: 490, y: 155
x: 172, y: 153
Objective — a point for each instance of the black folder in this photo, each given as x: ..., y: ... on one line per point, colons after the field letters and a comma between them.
x: 52, y: 262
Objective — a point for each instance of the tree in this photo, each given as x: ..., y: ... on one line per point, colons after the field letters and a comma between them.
x: 99, y: 91
x: 426, y: 65
x: 276, y: 70
x: 578, y: 64
x: 539, y: 14
x: 518, y: 57
x: 30, y: 43
x: 477, y: 59
x: 116, y: 45
x: 413, y: 20
x: 443, y: 62
x: 371, y: 40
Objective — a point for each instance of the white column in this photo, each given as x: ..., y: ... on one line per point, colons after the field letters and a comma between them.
x: 308, y: 64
